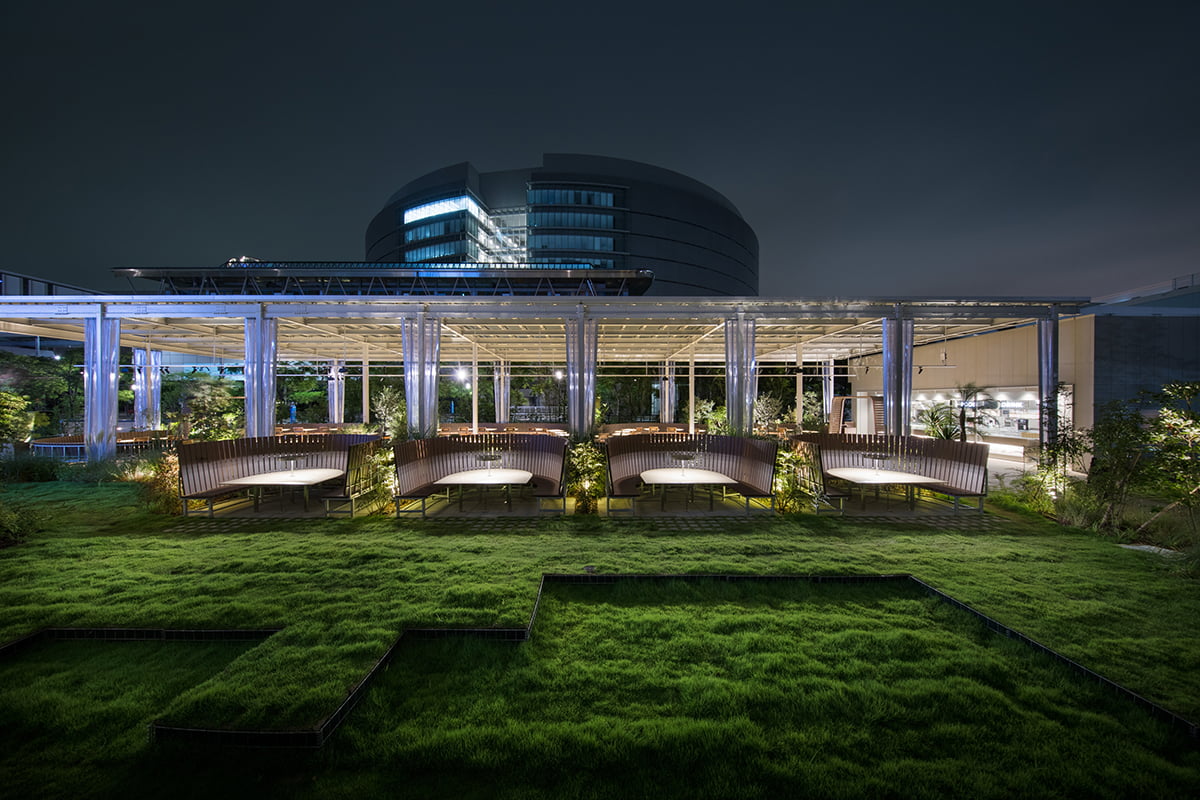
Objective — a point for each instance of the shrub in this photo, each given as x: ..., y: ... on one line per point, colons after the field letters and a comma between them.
x: 790, y: 494
x: 587, y: 475
x: 158, y: 483
x: 106, y: 471
x: 26, y: 468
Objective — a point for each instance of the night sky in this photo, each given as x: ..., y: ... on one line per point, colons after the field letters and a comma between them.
x: 919, y: 149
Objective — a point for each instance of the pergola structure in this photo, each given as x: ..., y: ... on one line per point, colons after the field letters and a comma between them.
x: 742, y: 334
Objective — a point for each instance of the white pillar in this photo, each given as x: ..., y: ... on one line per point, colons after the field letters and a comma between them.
x: 897, y: 375
x: 101, y: 357
x: 422, y: 347
x: 666, y: 393
x: 1048, y: 378
x: 582, y: 346
x: 741, y: 380
x: 827, y: 388
x: 366, y: 386
x: 692, y: 393
x: 262, y: 343
x: 336, y: 392
x: 799, y: 388
x: 474, y: 387
x: 147, y: 389
x: 501, y: 388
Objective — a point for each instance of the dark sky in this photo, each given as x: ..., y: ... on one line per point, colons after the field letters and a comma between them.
x: 1007, y: 148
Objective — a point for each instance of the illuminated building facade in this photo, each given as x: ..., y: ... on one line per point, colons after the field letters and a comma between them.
x: 579, y: 211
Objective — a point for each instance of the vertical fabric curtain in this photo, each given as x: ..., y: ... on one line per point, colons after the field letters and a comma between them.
x: 421, y: 340
x: 262, y: 343
x: 582, y: 348
x: 101, y: 356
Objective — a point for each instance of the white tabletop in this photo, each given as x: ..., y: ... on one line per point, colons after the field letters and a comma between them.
x: 486, y: 477
x: 685, y: 475
x: 872, y: 476
x: 287, y: 477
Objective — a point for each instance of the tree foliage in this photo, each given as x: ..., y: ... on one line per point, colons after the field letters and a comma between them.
x: 16, y: 422
x: 203, y: 406
x: 52, y: 387
x: 1174, y: 438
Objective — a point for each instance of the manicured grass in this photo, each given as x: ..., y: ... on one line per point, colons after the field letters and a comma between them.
x: 720, y: 690
x: 343, y: 590
x: 76, y: 714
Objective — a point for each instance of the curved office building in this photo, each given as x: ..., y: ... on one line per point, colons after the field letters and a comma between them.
x: 572, y: 212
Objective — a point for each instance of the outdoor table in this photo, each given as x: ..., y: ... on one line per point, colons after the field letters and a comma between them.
x: 685, y: 476
x: 291, y: 477
x: 865, y: 476
x: 487, y: 477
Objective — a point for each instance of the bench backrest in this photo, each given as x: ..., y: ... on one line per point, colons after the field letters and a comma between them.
x: 421, y: 462
x: 751, y: 462
x: 204, y: 466
x: 961, y: 465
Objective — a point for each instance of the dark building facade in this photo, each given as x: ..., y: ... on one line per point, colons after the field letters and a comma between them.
x: 573, y: 211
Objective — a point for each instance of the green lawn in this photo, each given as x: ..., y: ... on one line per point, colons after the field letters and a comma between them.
x: 343, y: 590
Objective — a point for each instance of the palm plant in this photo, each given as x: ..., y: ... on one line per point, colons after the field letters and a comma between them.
x: 940, y: 421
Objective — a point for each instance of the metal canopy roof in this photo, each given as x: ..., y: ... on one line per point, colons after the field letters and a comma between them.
x: 528, y: 329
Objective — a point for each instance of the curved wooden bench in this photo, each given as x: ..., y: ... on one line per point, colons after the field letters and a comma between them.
x: 750, y: 462
x: 420, y: 463
x: 959, y: 467
x: 204, y: 467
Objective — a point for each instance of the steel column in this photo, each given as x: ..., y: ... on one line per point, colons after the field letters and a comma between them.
x: 582, y: 347
x: 501, y: 387
x: 692, y: 393
x: 666, y: 393
x: 147, y: 389
x: 474, y: 387
x: 101, y: 357
x: 897, y: 375
x: 366, y: 385
x: 421, y: 337
x: 262, y: 343
x: 827, y: 388
x: 336, y: 392
x: 1048, y: 379
x: 741, y: 378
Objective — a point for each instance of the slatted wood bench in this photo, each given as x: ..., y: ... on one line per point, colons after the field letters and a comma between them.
x: 959, y: 467
x: 359, y: 479
x: 420, y: 463
x: 811, y: 475
x: 205, y: 467
x: 749, y: 462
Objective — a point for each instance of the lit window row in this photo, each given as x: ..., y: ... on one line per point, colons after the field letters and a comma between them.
x: 434, y: 251
x: 569, y: 197
x: 439, y: 207
x: 432, y: 229
x: 570, y: 219
x: 568, y: 242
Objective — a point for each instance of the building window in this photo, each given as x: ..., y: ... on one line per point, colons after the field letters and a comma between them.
x: 430, y: 230
x: 439, y: 207
x: 569, y: 197
x: 432, y: 251
x: 570, y: 219
x: 570, y: 242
